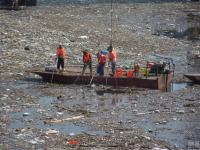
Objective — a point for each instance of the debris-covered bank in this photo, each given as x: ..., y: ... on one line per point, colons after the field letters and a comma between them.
x: 38, y: 115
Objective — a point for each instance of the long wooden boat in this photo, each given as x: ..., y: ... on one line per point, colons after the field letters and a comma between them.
x: 161, y: 82
x: 194, y: 77
x: 16, y: 4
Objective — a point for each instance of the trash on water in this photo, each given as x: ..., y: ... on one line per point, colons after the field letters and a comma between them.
x: 26, y: 114
x: 180, y: 111
x: 146, y: 137
x: 157, y: 148
x: 93, y: 85
x: 141, y: 113
x: 65, y: 119
x: 174, y: 119
x: 83, y: 37
x: 72, y: 142
x: 157, y: 111
x: 33, y: 142
x: 4, y: 97
x: 52, y: 131
x: 71, y: 134
x: 192, y: 111
x: 163, y: 122
x: 150, y: 130
x: 60, y: 113
x: 36, y: 140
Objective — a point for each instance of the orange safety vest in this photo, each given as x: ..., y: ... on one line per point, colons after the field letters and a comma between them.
x: 87, y: 58
x: 129, y: 73
x: 60, y: 52
x: 102, y: 59
x: 112, y: 56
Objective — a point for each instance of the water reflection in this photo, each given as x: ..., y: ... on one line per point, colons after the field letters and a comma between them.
x: 179, y: 86
x: 34, y: 113
x: 116, y: 99
x: 192, y: 33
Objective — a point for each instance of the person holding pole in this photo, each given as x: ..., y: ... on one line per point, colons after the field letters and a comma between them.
x: 87, y: 61
x: 112, y: 57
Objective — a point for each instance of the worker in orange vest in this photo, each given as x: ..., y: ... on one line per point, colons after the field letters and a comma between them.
x: 112, y: 57
x: 102, y: 59
x: 60, y: 56
x: 137, y: 70
x: 87, y: 61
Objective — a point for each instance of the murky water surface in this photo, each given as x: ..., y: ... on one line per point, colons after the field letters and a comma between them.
x: 178, y: 132
x: 44, y: 107
x: 62, y: 2
x: 178, y: 86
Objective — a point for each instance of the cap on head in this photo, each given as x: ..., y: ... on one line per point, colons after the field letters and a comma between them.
x: 85, y: 50
x: 110, y: 48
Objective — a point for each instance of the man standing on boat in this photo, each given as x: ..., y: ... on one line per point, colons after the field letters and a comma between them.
x: 112, y: 57
x: 102, y: 59
x: 60, y: 55
x: 87, y: 61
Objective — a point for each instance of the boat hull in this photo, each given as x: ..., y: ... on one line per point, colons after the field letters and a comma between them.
x: 193, y: 77
x: 162, y: 82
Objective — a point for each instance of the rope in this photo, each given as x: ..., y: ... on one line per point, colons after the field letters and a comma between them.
x: 111, y: 21
x: 52, y: 77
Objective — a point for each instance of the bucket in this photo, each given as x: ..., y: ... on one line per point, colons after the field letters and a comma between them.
x: 129, y: 73
x: 119, y: 72
x: 150, y: 65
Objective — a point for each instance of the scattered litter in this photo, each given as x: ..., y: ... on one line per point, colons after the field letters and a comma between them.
x: 36, y: 140
x: 73, y: 142
x: 146, y: 137
x: 174, y: 119
x: 141, y: 113
x: 4, y: 97
x: 27, y: 48
x: 33, y: 142
x: 163, y: 122
x: 150, y: 130
x: 84, y: 37
x: 156, y: 148
x: 26, y: 114
x: 180, y: 111
x: 192, y: 111
x: 60, y: 113
x: 65, y: 119
x: 52, y: 131
x: 71, y: 134
x: 93, y: 85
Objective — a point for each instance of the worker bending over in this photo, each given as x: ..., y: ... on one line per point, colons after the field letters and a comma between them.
x: 87, y: 61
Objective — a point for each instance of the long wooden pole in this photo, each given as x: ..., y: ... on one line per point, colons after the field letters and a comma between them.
x: 111, y: 21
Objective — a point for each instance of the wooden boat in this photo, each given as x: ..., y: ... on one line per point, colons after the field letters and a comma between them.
x: 17, y: 4
x: 161, y: 82
x: 194, y: 77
